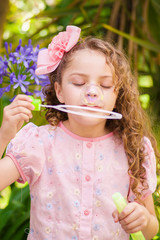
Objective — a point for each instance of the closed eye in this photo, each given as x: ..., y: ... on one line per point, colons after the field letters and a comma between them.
x: 107, y: 87
x: 78, y: 84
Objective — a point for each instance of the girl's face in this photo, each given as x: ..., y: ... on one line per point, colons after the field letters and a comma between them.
x: 88, y: 67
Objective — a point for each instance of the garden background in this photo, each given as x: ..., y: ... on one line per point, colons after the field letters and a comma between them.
x: 133, y: 25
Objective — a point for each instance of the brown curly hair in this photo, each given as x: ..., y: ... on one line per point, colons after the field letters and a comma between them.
x: 133, y: 126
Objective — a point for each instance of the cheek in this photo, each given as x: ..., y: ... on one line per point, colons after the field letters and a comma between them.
x: 110, y: 100
x: 71, y: 96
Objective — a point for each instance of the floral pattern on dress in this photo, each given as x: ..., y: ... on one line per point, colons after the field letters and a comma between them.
x: 72, y: 180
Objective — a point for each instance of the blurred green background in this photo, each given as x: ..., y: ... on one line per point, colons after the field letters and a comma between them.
x: 133, y: 25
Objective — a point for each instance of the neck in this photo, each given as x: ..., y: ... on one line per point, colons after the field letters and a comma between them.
x: 88, y: 131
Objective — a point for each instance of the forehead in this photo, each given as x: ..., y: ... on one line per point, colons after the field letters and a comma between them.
x: 87, y: 61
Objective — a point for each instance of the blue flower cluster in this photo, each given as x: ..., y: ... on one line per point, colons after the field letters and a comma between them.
x: 17, y: 71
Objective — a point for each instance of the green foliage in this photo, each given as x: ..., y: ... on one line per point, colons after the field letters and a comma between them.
x: 154, y: 19
x: 14, y: 219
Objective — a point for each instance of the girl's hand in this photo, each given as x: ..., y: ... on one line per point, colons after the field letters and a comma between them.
x: 133, y: 218
x: 14, y: 116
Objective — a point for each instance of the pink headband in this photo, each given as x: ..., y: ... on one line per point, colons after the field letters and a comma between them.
x: 49, y: 59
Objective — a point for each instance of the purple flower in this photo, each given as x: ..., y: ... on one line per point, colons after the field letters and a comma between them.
x: 7, y: 89
x: 20, y: 82
x: 17, y: 70
x: 12, y: 58
x: 19, y: 46
x: 34, y: 55
x: 10, y: 45
x: 3, y: 90
x: 39, y: 94
x: 34, y: 76
x: 6, y: 46
x: 23, y: 56
x: 12, y: 77
x: 3, y: 66
x: 43, y: 80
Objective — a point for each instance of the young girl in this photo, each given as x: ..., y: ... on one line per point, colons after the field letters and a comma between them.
x: 76, y: 163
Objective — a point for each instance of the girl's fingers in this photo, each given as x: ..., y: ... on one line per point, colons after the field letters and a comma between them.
x: 19, y: 110
x: 23, y: 97
x: 128, y: 225
x: 21, y: 100
x: 24, y: 117
x: 23, y: 103
x: 130, y: 208
x: 20, y: 117
x: 130, y: 218
x: 115, y: 216
x: 133, y: 218
x: 15, y: 114
x: 133, y: 227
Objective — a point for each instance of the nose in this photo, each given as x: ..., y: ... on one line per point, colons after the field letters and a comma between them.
x: 92, y: 95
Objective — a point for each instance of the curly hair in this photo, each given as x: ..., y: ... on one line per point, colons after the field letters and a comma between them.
x: 134, y: 125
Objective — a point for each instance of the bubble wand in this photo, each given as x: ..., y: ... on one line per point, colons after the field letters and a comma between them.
x: 75, y: 110
x: 121, y: 203
x: 91, y: 101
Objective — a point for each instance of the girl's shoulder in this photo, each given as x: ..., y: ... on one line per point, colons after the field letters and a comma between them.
x: 31, y: 129
x: 32, y: 134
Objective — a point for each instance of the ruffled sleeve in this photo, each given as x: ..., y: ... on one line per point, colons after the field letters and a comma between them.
x: 26, y: 150
x: 150, y: 167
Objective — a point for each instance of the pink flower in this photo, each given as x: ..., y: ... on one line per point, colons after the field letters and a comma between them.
x: 49, y: 59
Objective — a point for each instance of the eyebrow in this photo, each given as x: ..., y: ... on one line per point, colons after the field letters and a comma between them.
x: 85, y: 75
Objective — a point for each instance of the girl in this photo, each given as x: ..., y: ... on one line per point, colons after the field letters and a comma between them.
x: 76, y: 163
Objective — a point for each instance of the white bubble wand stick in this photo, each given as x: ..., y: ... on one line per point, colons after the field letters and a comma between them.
x: 104, y: 114
x: 91, y: 104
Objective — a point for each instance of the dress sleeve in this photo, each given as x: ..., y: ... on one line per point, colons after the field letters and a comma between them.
x: 26, y: 151
x: 150, y: 167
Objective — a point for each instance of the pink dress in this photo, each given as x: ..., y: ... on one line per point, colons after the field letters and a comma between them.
x: 72, y: 180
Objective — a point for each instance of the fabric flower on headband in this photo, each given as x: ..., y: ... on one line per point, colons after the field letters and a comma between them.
x: 49, y: 59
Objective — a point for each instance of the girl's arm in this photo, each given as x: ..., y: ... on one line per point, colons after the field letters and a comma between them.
x: 153, y: 225
x: 8, y: 172
x: 136, y: 217
x: 14, y: 115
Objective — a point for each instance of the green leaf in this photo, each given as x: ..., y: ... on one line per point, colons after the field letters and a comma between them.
x: 19, y: 204
x: 140, y: 42
x: 144, y: 99
x: 154, y: 19
x: 145, y: 81
x: 4, y: 197
x: 16, y: 226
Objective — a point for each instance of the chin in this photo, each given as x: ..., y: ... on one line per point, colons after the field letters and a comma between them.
x: 88, y: 121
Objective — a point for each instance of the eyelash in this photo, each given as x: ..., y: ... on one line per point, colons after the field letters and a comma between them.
x: 107, y: 87
x: 82, y: 84
x: 78, y: 84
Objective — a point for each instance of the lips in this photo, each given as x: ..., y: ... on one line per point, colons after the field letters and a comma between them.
x: 91, y: 105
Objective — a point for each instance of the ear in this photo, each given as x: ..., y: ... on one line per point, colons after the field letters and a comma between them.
x: 58, y: 90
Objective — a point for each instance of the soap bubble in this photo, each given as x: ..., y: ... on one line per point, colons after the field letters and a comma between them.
x: 92, y: 95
